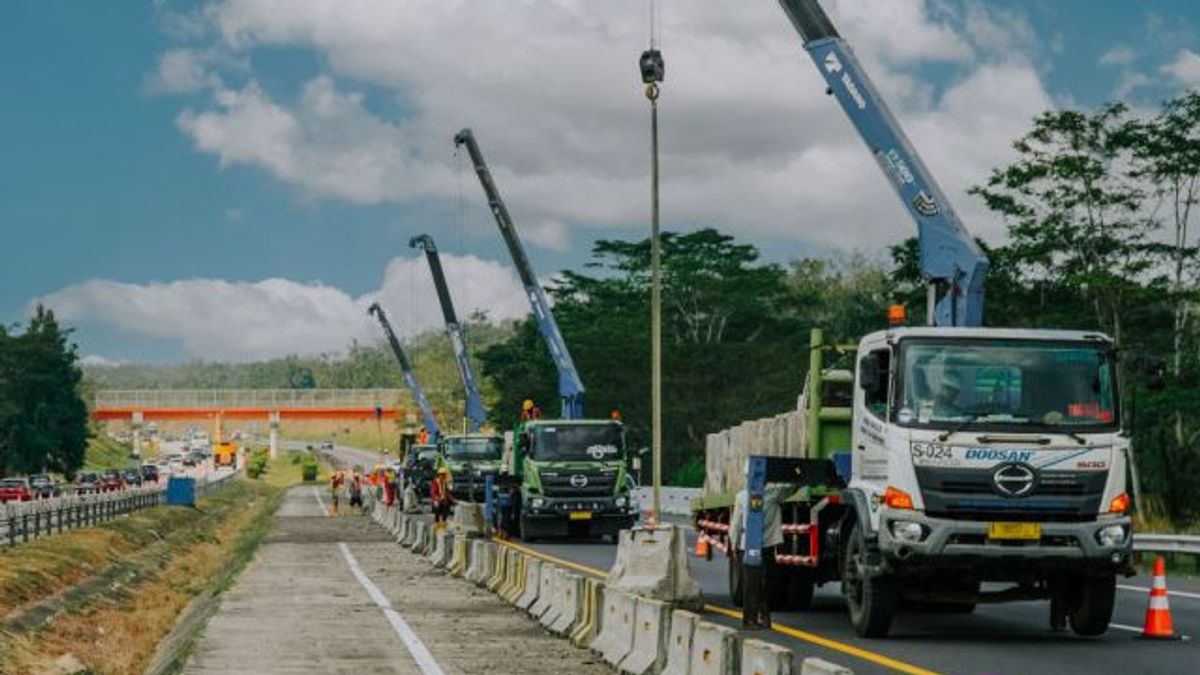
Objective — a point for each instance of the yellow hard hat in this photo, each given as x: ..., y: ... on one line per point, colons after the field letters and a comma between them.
x: 444, y: 471
x: 527, y: 405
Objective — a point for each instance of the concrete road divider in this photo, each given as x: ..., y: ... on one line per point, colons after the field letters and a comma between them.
x: 482, y: 560
x: 649, y: 652
x: 511, y: 574
x: 679, y: 642
x: 652, y: 562
x: 499, y: 570
x: 555, y: 604
x: 570, y: 593
x: 545, y: 591
x: 589, y: 613
x: 764, y: 658
x: 533, y: 576
x: 615, y: 640
x: 468, y: 520
x: 421, y: 545
x: 814, y: 666
x: 517, y: 586
x: 461, y: 558
x: 443, y: 548
x: 410, y: 532
x: 714, y: 650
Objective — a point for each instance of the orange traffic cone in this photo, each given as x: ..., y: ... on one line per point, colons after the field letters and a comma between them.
x: 1158, y: 612
x: 701, y: 547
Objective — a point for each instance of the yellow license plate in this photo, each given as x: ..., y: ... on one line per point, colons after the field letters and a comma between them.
x: 1031, y: 531
x: 581, y: 515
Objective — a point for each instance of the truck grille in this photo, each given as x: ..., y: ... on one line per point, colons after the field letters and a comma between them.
x: 972, y: 494
x: 559, y: 483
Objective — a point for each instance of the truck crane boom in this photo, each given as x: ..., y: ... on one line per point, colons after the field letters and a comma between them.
x: 570, y: 387
x: 951, y: 261
x: 431, y: 425
x: 476, y: 415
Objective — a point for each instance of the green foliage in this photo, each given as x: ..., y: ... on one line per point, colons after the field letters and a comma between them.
x: 308, y: 468
x: 257, y: 464
x: 43, y: 418
x: 105, y: 453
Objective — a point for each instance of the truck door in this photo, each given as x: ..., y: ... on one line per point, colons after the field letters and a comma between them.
x: 871, y: 405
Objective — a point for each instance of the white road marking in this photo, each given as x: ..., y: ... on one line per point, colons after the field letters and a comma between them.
x: 1173, y: 594
x: 413, y: 643
x: 1121, y: 626
x: 321, y: 502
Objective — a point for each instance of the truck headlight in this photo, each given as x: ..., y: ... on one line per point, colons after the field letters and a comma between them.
x: 1111, y: 535
x: 621, y: 502
x: 537, y: 503
x: 907, y: 531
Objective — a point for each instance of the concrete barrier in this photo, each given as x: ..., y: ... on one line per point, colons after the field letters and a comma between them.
x: 714, y: 650
x: 764, y: 658
x: 653, y: 563
x: 533, y: 575
x: 498, y: 572
x: 512, y: 574
x: 589, y: 613
x: 814, y: 666
x: 555, y: 605
x: 461, y: 558
x: 545, y: 591
x: 570, y: 594
x: 517, y: 586
x: 615, y: 640
x: 679, y: 642
x: 443, y: 549
x: 649, y: 652
x: 418, y: 540
x: 468, y: 520
x: 482, y: 558
x: 410, y: 532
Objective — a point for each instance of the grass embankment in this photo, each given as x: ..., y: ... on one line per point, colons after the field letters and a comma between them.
x: 109, y: 594
x: 369, y: 435
x: 106, y: 453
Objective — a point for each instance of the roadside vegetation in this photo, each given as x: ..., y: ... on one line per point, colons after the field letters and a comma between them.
x: 108, y: 595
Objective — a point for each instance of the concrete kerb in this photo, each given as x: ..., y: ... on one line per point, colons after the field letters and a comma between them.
x: 649, y: 653
x: 679, y: 642
x: 615, y: 640
x: 545, y: 594
x: 533, y: 572
x: 714, y: 650
x: 814, y: 666
x: 764, y: 658
x: 589, y: 613
x: 570, y: 593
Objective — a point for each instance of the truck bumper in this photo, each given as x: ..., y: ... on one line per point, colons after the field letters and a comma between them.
x: 965, y: 545
x: 560, y: 525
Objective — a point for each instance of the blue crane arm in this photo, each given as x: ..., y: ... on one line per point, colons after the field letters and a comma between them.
x: 410, y: 379
x: 476, y: 415
x: 570, y: 387
x: 951, y: 261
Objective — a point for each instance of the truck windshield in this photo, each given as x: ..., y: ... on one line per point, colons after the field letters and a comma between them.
x: 582, y: 442
x: 474, y: 448
x: 1020, y: 384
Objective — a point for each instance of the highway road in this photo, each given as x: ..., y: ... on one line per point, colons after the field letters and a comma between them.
x: 1006, y: 638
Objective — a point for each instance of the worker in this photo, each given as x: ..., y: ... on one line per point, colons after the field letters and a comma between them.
x: 335, y: 484
x: 754, y: 580
x: 530, y: 412
x: 441, y: 498
x: 389, y: 487
x: 423, y: 437
x: 355, y: 487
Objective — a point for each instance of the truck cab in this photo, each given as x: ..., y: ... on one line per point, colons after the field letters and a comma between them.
x: 572, y: 478
x: 470, y: 457
x: 989, y: 455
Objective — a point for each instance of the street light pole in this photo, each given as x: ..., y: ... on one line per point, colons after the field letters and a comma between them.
x: 651, y: 64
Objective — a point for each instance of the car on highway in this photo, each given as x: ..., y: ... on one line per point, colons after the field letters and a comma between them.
x: 43, y: 486
x: 327, y: 445
x: 149, y: 473
x: 111, y: 481
x: 132, y: 477
x: 87, y: 482
x: 15, y: 490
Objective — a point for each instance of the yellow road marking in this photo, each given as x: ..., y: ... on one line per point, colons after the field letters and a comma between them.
x: 857, y: 652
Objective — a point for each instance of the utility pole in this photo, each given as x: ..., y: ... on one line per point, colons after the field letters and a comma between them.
x: 651, y: 66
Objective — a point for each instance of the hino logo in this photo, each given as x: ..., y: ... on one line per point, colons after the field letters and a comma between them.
x: 579, y: 480
x: 1014, y: 480
x: 832, y: 64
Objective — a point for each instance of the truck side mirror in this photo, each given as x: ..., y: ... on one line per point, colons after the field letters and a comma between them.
x: 868, y: 373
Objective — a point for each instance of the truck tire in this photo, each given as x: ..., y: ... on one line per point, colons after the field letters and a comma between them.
x: 735, y: 579
x: 870, y: 600
x: 1091, y: 614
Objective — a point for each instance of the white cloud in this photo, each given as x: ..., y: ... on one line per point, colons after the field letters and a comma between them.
x: 1120, y: 55
x: 217, y: 319
x: 97, y: 361
x: 750, y: 142
x: 1185, y: 68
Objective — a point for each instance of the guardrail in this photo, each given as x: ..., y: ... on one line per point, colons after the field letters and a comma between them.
x: 1187, y: 544
x: 21, y: 522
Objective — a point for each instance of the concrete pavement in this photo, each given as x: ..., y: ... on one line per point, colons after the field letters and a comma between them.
x: 336, y: 595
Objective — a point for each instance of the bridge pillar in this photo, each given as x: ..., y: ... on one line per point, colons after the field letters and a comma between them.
x: 274, y: 420
x: 136, y: 423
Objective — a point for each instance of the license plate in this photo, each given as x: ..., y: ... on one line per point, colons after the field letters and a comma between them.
x: 581, y: 515
x: 1031, y: 531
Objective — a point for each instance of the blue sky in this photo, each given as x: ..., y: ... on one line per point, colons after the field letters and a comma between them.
x: 307, y: 147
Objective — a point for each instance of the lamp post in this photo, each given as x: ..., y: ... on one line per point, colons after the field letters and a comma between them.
x: 652, y: 68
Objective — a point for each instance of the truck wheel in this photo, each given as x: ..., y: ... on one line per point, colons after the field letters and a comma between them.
x: 871, y: 600
x: 735, y: 579
x: 1094, y: 610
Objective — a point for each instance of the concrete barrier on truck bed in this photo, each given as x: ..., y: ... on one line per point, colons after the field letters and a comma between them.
x: 590, y: 606
x: 714, y: 650
x: 615, y: 640
x: 764, y: 658
x: 679, y: 642
x: 649, y: 653
x: 533, y: 577
x: 814, y: 666
x: 570, y: 593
